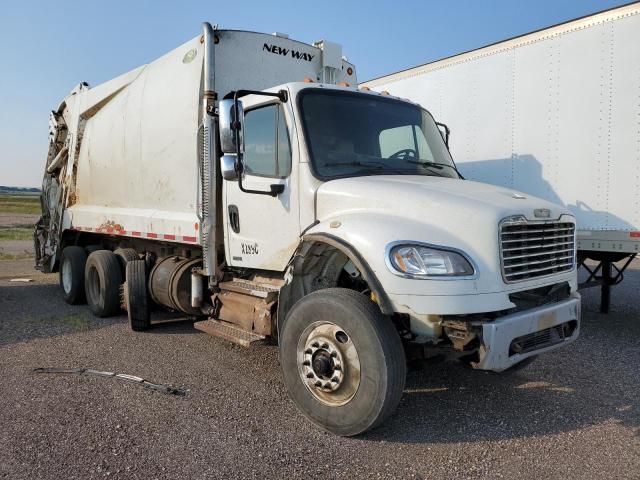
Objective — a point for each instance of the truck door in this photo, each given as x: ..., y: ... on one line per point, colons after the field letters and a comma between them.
x: 262, y: 231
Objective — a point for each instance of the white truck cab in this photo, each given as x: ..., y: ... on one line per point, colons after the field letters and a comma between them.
x: 373, y: 172
x: 329, y: 218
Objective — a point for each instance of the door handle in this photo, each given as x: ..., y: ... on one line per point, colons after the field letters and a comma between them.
x: 234, y: 218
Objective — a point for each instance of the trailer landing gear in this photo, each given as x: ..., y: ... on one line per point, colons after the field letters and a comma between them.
x: 603, y: 273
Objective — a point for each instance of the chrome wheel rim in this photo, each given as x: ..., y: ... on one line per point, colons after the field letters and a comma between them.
x: 328, y: 363
x: 66, y: 275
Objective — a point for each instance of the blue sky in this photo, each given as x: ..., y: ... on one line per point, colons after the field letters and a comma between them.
x: 47, y: 47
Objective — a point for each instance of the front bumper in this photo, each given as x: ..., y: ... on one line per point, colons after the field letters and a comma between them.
x: 536, y: 329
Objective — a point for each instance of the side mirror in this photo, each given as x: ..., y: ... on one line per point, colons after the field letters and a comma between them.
x: 228, y: 125
x: 445, y: 132
x: 228, y: 167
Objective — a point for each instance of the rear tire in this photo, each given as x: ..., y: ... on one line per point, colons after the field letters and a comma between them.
x: 71, y: 274
x: 102, y: 280
x: 124, y: 256
x: 136, y: 299
x: 342, y: 361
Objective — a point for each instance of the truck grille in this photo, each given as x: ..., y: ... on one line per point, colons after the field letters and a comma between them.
x: 532, y: 250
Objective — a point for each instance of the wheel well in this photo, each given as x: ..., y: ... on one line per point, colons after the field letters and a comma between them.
x: 323, y: 261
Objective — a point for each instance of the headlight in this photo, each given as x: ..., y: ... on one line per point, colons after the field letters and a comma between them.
x: 422, y: 261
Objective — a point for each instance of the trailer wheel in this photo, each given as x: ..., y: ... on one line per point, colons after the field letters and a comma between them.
x: 124, y: 256
x: 102, y: 283
x: 135, y: 296
x: 72, y: 275
x: 342, y: 361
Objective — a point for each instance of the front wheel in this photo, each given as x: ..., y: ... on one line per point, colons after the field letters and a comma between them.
x: 342, y: 361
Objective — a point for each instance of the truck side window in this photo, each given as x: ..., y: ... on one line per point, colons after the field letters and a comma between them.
x: 266, y: 152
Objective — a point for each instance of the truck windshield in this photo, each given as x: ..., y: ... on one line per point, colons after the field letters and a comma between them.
x: 352, y: 134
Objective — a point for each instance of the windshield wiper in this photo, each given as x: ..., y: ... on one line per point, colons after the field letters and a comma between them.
x: 426, y: 163
x: 370, y: 165
x: 356, y: 163
x: 437, y: 165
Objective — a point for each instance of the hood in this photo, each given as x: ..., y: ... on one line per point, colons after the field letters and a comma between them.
x: 371, y: 213
x: 422, y: 197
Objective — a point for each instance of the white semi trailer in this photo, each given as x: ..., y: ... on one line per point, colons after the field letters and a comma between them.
x: 553, y: 113
x: 240, y: 180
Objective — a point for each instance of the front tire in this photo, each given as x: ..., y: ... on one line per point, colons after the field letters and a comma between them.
x: 342, y: 361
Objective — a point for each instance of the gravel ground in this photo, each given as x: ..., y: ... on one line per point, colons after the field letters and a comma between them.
x: 571, y: 414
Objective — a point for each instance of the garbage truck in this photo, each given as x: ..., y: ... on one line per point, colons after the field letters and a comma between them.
x: 245, y: 182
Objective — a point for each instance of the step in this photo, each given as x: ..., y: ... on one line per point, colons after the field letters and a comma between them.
x: 248, y: 287
x: 228, y: 332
